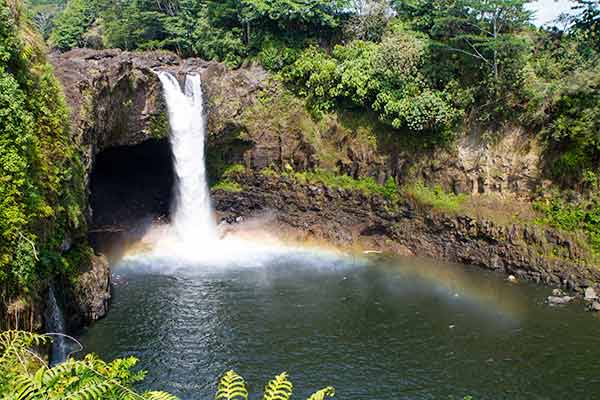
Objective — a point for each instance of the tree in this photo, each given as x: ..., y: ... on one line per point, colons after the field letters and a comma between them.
x: 485, y: 30
x: 587, y: 20
x: 476, y: 43
x: 369, y: 21
x: 71, y: 25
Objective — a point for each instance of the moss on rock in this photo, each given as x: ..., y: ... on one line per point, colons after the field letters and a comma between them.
x: 159, y: 125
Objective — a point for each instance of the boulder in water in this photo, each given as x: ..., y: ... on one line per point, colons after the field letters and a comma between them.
x: 590, y: 294
x: 594, y: 306
x: 556, y: 300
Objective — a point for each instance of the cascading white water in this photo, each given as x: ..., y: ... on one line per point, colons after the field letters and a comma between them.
x: 55, y: 323
x: 192, y: 215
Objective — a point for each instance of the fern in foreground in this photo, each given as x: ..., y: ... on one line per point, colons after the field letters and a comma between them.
x: 24, y: 375
x: 233, y: 387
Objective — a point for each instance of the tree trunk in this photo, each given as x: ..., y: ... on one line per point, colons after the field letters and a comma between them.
x: 495, y: 32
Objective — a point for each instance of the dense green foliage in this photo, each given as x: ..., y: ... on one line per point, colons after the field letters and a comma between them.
x: 41, y: 176
x: 564, y: 105
x: 435, y: 197
x: 72, y: 24
x: 573, y: 217
x: 384, y: 76
x: 228, y: 30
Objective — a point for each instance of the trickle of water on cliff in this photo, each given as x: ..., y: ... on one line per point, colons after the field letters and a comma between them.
x: 55, y: 323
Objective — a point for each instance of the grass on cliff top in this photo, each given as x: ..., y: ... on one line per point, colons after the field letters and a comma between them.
x: 573, y: 222
x: 500, y: 209
x: 367, y: 185
x: 233, y: 170
x: 227, y: 185
x: 435, y: 198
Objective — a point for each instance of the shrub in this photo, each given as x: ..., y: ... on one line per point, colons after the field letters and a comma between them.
x: 228, y: 185
x: 584, y: 217
x: 435, y: 197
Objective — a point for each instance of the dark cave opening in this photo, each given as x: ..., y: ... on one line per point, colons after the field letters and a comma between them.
x: 131, y: 186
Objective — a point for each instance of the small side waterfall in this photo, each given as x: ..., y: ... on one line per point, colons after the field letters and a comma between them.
x: 192, y: 215
x: 55, y: 323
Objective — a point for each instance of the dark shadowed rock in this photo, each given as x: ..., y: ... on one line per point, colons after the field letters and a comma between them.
x: 89, y: 299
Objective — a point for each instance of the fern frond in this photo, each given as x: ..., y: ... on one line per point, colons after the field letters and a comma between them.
x: 91, y: 391
x: 232, y: 387
x: 322, y: 394
x: 279, y: 388
x: 159, y: 396
x: 27, y: 388
x: 14, y: 347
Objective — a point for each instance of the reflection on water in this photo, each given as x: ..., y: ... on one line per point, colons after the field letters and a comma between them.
x: 384, y: 329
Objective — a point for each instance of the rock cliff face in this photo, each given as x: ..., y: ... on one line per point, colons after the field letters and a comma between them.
x: 88, y: 299
x: 254, y: 121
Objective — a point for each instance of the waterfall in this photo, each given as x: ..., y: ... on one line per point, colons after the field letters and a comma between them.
x: 192, y: 240
x: 55, y: 323
x: 192, y: 218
